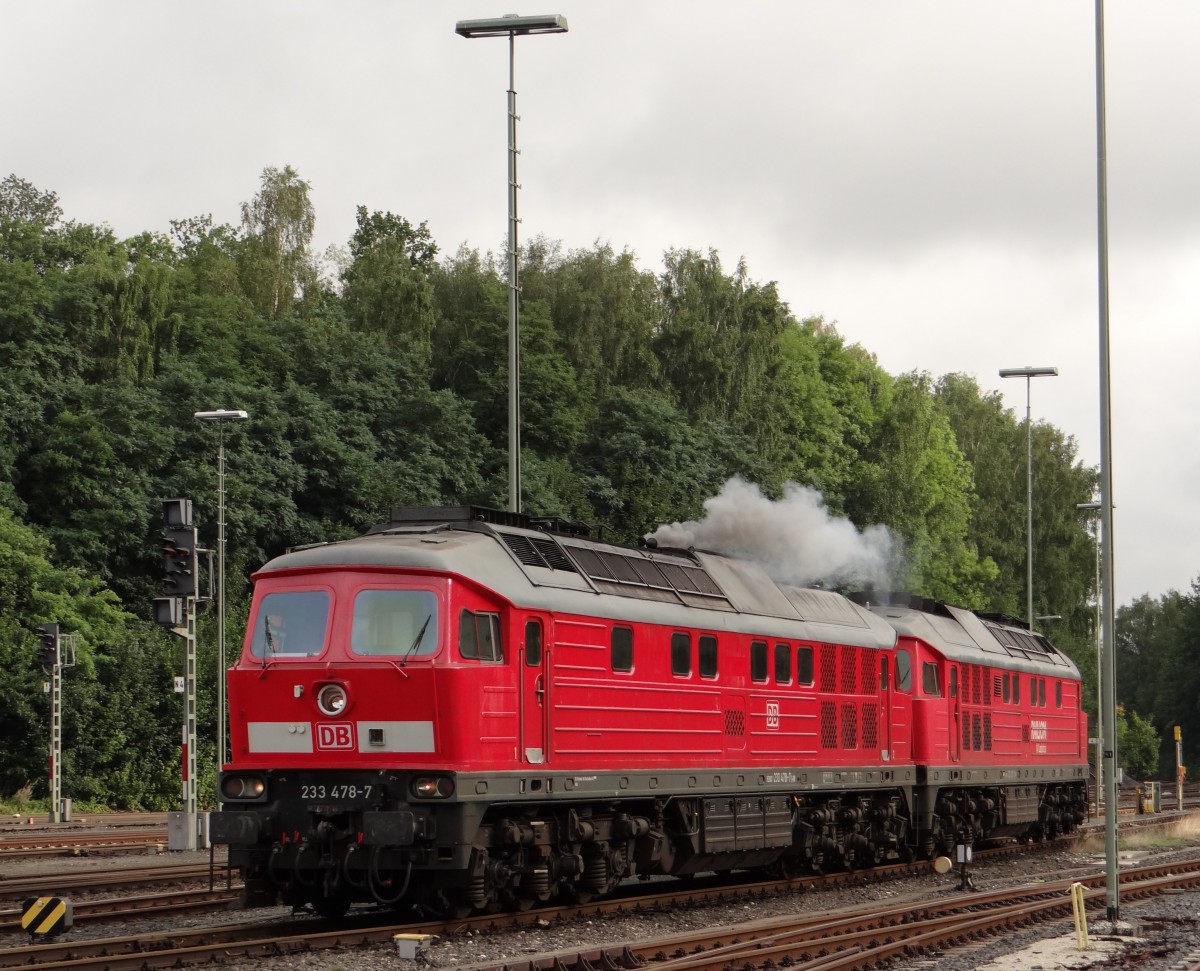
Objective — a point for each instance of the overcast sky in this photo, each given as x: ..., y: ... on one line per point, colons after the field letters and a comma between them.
x: 921, y: 172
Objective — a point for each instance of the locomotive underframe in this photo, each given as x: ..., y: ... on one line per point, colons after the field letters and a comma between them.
x: 511, y: 841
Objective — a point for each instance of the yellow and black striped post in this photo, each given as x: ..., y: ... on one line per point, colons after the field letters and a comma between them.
x: 46, y: 916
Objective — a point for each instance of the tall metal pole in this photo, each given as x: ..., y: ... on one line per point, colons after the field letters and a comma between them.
x: 1094, y: 529
x: 189, y: 723
x: 1029, y: 373
x: 56, y: 800
x: 1100, y: 719
x: 514, y: 344
x: 510, y: 26
x: 1108, y: 625
x: 220, y: 417
x: 222, y: 751
x: 1029, y: 500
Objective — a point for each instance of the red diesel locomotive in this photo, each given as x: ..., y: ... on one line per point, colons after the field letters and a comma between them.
x: 469, y: 709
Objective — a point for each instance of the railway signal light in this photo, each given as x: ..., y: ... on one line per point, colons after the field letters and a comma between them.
x: 177, y: 513
x: 47, y: 652
x: 179, y: 550
x: 168, y: 611
x: 179, y: 561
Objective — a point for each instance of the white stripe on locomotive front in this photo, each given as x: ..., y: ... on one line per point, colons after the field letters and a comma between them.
x: 298, y: 737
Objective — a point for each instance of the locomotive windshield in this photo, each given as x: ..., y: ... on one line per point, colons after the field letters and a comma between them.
x: 396, y: 622
x: 291, y: 623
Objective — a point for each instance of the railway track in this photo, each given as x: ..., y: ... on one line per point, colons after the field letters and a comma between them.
x: 110, y: 909
x: 862, y: 939
x: 276, y: 936
x: 280, y: 936
x: 95, y: 880
x: 55, y: 843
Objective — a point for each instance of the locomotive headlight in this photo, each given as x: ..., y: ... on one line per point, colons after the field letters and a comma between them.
x: 242, y: 788
x: 438, y: 787
x: 331, y: 699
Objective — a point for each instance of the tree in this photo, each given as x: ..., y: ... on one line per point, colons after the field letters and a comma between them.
x: 275, y: 266
x: 1137, y: 744
x: 919, y: 485
x: 387, y: 290
x: 22, y: 201
x: 113, y: 753
x: 717, y: 339
x: 604, y: 312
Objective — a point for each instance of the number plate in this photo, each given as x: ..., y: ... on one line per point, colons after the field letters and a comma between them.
x: 326, y: 791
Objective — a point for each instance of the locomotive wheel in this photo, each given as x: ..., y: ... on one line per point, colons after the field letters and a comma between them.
x: 786, y: 868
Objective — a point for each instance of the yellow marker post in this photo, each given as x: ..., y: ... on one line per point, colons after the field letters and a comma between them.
x: 1077, y: 907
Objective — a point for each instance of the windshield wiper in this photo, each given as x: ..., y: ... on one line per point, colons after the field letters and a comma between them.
x: 270, y: 641
x: 416, y: 641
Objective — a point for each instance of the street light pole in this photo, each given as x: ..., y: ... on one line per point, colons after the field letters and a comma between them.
x: 1095, y: 507
x: 1108, y: 616
x: 1029, y: 373
x: 219, y: 417
x: 510, y: 26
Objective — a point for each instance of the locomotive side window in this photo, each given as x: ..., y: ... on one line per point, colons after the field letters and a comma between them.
x: 533, y: 643
x: 1057, y: 694
x: 708, y: 656
x: 621, y: 652
x: 1007, y: 689
x: 883, y: 672
x: 394, y: 622
x: 903, y: 670
x: 804, y: 664
x: 758, y: 661
x: 953, y: 682
x: 479, y: 636
x: 290, y: 623
x: 1016, y: 689
x: 783, y: 664
x: 930, y: 684
x: 681, y: 654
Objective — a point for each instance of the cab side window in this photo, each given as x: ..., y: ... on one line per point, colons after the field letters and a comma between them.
x: 903, y: 671
x: 479, y: 636
x: 930, y: 683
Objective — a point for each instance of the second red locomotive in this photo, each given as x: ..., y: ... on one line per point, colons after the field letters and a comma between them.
x: 473, y: 709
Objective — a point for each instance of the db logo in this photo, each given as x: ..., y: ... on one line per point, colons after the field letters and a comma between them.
x: 772, y: 714
x: 331, y: 735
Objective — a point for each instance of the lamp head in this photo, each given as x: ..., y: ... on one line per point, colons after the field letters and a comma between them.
x: 221, y: 414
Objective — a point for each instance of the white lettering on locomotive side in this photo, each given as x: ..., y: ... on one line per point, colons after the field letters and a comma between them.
x: 1038, y: 730
x: 772, y: 714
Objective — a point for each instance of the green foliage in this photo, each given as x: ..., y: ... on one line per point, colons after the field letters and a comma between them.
x: 1137, y: 744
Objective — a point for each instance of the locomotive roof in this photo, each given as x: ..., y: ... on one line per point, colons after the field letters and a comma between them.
x: 558, y: 568
x: 971, y: 638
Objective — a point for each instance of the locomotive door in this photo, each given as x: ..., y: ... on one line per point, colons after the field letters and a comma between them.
x: 885, y: 708
x: 535, y: 693
x: 955, y: 709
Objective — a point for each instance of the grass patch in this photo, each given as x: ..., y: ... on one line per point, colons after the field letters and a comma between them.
x: 1175, y: 835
